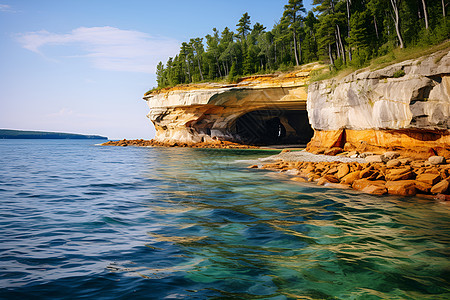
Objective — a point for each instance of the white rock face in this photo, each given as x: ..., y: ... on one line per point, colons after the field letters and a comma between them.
x: 377, y: 100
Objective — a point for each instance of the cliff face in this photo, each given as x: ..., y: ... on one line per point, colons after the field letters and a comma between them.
x: 406, y: 105
x: 376, y: 99
x: 263, y: 109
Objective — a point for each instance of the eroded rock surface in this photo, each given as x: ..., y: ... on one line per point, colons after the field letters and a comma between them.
x: 377, y: 100
x: 405, y: 107
x: 265, y: 109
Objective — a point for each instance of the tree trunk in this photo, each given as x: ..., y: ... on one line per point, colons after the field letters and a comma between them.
x: 338, y: 49
x: 376, y: 27
x: 348, y: 32
x: 295, y: 49
x: 199, y: 68
x: 300, y: 54
x: 443, y: 8
x: 218, y: 66
x: 189, y: 71
x: 397, y: 22
x: 340, y: 43
x: 275, y: 54
x: 330, y: 54
x: 425, y: 13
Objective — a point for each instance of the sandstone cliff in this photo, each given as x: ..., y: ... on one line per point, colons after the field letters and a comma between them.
x: 262, y: 109
x: 405, y: 105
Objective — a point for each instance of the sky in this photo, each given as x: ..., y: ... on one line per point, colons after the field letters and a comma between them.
x: 83, y: 66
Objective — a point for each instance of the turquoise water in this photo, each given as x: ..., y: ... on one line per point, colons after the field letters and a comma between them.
x: 83, y: 221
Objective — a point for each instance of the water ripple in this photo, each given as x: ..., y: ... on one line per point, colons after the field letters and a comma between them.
x: 79, y: 221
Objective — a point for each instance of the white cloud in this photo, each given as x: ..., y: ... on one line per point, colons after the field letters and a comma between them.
x: 108, y: 48
x: 6, y: 8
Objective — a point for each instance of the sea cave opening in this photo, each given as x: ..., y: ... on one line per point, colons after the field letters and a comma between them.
x: 274, y: 127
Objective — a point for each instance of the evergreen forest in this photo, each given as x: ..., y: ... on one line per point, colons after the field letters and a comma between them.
x: 341, y: 33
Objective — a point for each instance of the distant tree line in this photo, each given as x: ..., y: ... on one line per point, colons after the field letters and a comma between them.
x: 340, y: 32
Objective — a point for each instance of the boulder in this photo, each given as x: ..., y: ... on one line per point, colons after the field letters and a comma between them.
x: 428, y: 178
x: 375, y: 189
x: 322, y: 181
x: 342, y: 170
x: 374, y: 159
x: 299, y: 179
x: 331, y: 178
x: 390, y: 155
x: 337, y: 185
x: 436, y: 160
x: 350, y: 177
x: 367, y: 172
x: 405, y: 161
x: 401, y: 187
x: 360, y: 184
x: 393, y: 163
x: 417, y: 164
x: 423, y: 187
x: 365, y: 154
x: 440, y: 188
x: 399, y: 174
x: 442, y: 197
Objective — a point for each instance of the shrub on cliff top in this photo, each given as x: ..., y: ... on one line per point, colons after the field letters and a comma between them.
x: 398, y: 74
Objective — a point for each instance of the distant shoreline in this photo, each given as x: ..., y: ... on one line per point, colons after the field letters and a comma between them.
x: 22, y: 134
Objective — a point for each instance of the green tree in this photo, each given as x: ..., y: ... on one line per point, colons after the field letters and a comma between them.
x: 160, y: 76
x: 197, y: 50
x: 395, y: 8
x: 292, y: 14
x: 243, y: 27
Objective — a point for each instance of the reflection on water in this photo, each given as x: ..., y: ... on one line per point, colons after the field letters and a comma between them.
x: 195, y: 223
x: 251, y: 235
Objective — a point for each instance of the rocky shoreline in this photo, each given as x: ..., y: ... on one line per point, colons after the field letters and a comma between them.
x: 378, y: 174
x: 216, y: 144
x: 388, y: 173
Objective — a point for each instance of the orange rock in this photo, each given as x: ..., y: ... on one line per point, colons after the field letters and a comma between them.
x: 375, y: 189
x: 331, y: 178
x: 299, y: 179
x: 393, y: 163
x: 399, y: 174
x: 376, y: 176
x: 405, y: 161
x: 431, y: 179
x: 442, y: 197
x: 366, y: 172
x: 342, y: 170
x: 423, y: 187
x: 333, y: 151
x: 360, y: 184
x: 440, y: 188
x: 322, y: 181
x: 338, y: 185
x: 253, y: 167
x: 332, y: 170
x: 350, y: 177
x: 401, y: 187
x: 374, y: 159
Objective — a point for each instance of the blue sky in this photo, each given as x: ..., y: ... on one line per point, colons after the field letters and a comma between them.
x: 83, y: 66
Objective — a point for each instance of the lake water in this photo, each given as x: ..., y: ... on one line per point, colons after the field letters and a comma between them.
x: 84, y: 221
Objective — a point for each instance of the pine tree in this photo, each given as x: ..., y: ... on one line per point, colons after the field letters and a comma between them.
x: 243, y: 27
x: 292, y: 14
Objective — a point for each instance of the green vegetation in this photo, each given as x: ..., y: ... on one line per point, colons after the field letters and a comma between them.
x: 398, y: 74
x: 345, y: 34
x: 20, y: 134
